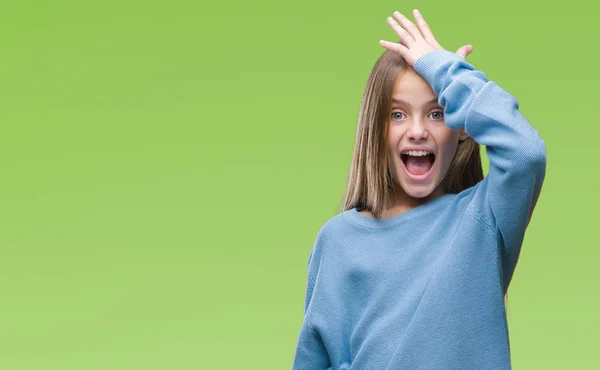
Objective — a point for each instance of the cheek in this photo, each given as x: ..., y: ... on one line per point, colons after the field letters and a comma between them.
x: 449, y: 149
x: 393, y: 140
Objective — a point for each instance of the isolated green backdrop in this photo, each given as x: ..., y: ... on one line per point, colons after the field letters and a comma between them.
x: 167, y: 165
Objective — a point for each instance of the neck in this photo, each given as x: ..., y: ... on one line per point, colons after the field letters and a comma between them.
x: 402, y: 202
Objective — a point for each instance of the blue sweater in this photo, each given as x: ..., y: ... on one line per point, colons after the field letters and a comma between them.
x: 424, y: 289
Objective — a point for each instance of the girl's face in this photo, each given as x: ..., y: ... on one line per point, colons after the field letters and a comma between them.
x: 421, y: 146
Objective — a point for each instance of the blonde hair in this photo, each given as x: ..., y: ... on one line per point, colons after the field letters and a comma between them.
x: 370, y: 183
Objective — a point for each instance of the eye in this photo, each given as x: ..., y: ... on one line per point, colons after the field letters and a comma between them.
x: 440, y: 114
x: 396, y: 113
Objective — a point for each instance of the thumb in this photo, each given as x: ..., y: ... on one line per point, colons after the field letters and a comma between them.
x: 465, y: 50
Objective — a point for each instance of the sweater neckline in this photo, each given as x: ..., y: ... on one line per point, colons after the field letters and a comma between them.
x: 355, y: 216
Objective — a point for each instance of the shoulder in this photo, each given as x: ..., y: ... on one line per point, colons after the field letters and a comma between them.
x: 334, y: 229
x: 338, y: 222
x: 475, y: 200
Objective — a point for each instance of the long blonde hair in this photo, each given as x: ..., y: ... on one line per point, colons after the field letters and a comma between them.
x: 370, y: 183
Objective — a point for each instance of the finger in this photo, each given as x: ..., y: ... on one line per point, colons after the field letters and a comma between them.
x: 405, y: 37
x: 395, y: 47
x: 464, y: 50
x: 408, y: 26
x: 424, y: 27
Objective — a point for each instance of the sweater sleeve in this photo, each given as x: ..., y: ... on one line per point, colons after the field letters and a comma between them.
x: 310, y: 350
x: 506, y: 197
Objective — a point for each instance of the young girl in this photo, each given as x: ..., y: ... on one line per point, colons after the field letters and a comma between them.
x: 412, y: 273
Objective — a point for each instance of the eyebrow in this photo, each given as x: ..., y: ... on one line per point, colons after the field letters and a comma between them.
x: 400, y: 101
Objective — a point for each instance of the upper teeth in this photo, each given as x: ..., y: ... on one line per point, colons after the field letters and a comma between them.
x: 417, y: 152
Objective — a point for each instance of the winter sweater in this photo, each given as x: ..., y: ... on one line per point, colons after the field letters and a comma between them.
x: 423, y: 290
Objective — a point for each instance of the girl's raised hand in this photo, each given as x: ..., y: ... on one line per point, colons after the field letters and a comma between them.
x: 415, y: 41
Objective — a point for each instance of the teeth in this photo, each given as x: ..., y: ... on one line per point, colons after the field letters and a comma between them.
x: 417, y: 153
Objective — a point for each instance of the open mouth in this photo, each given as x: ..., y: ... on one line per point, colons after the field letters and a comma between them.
x: 418, y: 164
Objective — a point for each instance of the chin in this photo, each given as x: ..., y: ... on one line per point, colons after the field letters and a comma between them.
x: 418, y: 193
x: 420, y: 190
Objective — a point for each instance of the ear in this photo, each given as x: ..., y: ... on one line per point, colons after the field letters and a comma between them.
x: 463, y: 134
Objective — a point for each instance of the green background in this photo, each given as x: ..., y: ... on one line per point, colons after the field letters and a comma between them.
x: 166, y: 167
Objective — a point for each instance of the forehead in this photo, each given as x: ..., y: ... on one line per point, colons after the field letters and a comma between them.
x: 413, y: 88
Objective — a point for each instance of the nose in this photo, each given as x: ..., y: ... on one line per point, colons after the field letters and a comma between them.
x: 417, y: 130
